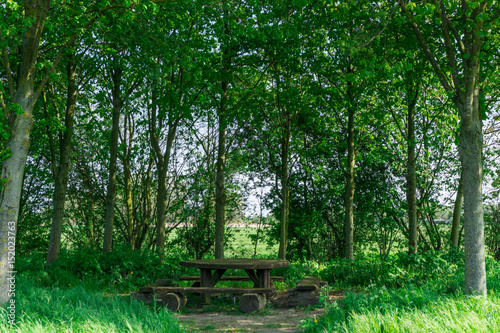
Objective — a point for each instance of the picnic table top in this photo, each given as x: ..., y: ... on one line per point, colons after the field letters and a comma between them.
x: 235, y: 263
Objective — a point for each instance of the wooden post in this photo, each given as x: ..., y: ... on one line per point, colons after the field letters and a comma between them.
x: 206, y: 275
x: 265, y: 278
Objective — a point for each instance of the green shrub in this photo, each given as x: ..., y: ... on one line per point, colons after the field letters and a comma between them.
x: 120, y: 270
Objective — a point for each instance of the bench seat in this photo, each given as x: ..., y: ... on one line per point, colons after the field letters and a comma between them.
x: 228, y: 278
x: 208, y: 290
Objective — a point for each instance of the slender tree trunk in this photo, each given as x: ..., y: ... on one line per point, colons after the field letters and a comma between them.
x: 61, y: 176
x: 220, y: 191
x: 349, y: 189
x: 285, y: 191
x: 20, y: 126
x: 111, y: 189
x: 471, y: 145
x: 411, y: 194
x: 161, y: 201
x: 457, y: 214
x: 127, y: 144
x: 285, y: 195
x: 465, y: 80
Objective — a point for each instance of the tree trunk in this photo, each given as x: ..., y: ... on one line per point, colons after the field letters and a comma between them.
x: 220, y: 191
x: 349, y: 190
x: 111, y: 189
x: 457, y: 214
x: 161, y: 201
x: 18, y: 144
x: 127, y: 150
x: 411, y: 194
x: 285, y: 192
x: 471, y: 145
x: 465, y: 90
x: 61, y: 176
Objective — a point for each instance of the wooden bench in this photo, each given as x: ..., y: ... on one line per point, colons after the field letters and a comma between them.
x: 227, y: 278
x: 309, y: 283
x: 173, y: 297
x: 306, y: 292
x: 214, y: 290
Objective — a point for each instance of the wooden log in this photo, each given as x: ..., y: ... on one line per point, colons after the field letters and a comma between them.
x: 147, y: 298
x: 252, y: 302
x: 173, y: 301
x: 302, y: 298
x: 309, y: 283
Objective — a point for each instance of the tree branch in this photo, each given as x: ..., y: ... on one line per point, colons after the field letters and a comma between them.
x: 8, y: 71
x: 69, y: 43
x: 428, y: 54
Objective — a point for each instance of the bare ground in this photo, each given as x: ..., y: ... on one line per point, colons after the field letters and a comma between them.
x: 269, y: 320
x: 274, y: 320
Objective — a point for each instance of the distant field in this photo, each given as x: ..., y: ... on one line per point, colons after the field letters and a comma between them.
x: 241, y: 245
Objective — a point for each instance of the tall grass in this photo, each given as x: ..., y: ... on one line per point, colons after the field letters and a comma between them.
x: 53, y: 309
x: 410, y: 311
x: 397, y: 302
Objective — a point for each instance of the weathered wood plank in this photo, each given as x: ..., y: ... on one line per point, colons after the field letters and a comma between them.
x: 309, y: 283
x: 207, y: 290
x: 227, y: 278
x: 236, y: 263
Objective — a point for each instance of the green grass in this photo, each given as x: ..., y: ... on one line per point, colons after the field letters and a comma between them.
x: 410, y: 310
x: 80, y: 310
x: 243, y: 246
x: 422, y: 293
x: 402, y: 293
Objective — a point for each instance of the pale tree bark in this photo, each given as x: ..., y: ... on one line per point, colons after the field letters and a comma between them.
x: 349, y: 188
x: 61, y: 173
x: 24, y: 97
x: 457, y: 214
x: 464, y: 49
x: 471, y: 145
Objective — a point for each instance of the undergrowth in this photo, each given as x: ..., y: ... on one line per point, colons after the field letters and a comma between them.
x: 409, y: 293
x: 403, y: 293
x: 77, y: 309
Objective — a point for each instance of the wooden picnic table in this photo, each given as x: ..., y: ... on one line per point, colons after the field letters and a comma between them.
x: 211, y: 271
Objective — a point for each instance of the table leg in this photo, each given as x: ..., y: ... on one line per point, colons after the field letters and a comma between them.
x: 264, y: 277
x: 205, y: 277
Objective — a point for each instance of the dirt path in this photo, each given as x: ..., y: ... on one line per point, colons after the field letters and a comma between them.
x: 272, y: 320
